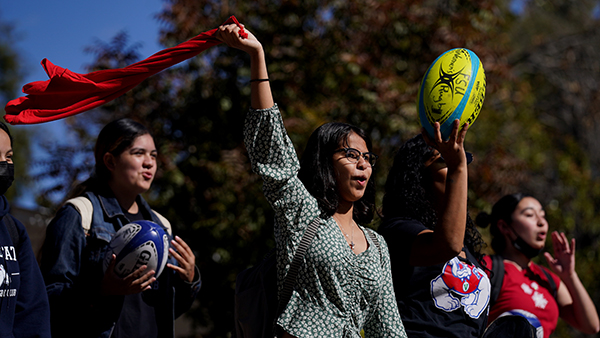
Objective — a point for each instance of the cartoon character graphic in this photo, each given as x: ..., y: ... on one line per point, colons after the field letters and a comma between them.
x: 461, y: 284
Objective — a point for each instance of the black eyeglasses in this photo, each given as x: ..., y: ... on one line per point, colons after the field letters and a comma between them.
x: 353, y: 155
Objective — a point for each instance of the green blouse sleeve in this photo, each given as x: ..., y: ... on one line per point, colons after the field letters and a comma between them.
x: 274, y: 158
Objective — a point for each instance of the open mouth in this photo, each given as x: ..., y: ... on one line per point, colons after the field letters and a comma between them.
x: 541, y: 236
x: 362, y: 180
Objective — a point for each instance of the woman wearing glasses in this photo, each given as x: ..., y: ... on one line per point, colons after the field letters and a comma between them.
x: 440, y: 286
x: 344, y: 284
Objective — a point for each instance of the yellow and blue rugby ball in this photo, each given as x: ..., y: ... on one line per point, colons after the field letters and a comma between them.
x: 453, y: 88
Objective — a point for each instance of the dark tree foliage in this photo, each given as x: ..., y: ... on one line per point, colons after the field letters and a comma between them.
x: 9, y: 64
x: 355, y: 61
x: 11, y: 74
x: 359, y: 62
x: 556, y: 55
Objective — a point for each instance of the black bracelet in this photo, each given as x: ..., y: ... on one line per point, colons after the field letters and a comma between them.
x: 259, y: 80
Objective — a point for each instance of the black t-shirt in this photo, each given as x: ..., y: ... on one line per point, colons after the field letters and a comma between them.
x: 443, y: 300
x: 137, y: 319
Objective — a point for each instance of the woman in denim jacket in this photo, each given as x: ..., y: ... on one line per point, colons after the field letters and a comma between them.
x: 85, y: 301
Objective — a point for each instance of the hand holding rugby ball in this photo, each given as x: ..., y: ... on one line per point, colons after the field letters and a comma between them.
x: 453, y: 88
x: 136, y: 244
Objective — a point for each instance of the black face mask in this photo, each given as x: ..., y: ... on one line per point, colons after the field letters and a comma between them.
x: 525, y: 248
x: 7, y: 176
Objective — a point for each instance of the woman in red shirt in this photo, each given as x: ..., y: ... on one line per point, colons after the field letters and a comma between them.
x: 519, y: 230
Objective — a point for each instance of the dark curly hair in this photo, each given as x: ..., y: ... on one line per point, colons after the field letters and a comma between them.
x: 407, y: 194
x: 317, y: 172
x: 502, y: 210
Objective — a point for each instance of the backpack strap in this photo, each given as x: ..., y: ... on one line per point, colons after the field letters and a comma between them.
x: 553, y: 288
x: 85, y: 208
x: 376, y: 241
x: 497, y: 277
x: 290, y: 278
x: 12, y: 230
x: 165, y: 222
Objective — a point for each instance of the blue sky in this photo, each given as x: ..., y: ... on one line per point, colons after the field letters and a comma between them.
x: 60, y: 30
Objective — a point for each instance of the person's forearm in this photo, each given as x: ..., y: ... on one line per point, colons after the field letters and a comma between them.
x: 584, y: 310
x: 261, y: 97
x: 451, y: 230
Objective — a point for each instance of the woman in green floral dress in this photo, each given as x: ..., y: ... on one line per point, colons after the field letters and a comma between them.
x: 344, y: 285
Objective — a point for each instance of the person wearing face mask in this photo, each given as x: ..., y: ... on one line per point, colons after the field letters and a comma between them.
x: 519, y: 230
x: 24, y: 310
x: 85, y: 301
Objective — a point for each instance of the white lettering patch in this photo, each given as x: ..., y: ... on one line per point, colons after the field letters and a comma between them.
x: 8, y: 293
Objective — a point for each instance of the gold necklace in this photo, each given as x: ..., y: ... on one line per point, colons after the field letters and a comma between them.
x: 351, y: 238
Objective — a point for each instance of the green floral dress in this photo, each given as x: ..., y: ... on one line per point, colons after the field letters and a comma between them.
x: 337, y: 293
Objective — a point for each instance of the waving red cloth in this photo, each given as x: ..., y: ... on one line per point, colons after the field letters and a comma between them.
x: 67, y: 93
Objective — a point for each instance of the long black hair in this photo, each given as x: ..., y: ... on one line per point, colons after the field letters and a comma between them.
x: 317, y: 172
x: 407, y: 191
x: 116, y: 137
x: 502, y: 210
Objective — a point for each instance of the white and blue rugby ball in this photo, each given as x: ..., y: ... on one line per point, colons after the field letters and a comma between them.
x: 136, y: 244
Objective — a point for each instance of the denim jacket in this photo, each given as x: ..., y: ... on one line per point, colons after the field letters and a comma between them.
x: 72, y: 269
